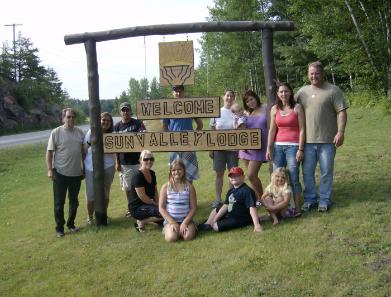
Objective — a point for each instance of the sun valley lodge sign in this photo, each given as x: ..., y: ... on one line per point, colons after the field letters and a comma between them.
x: 205, y: 140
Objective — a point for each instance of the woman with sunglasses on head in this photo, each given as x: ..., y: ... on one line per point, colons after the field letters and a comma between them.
x: 287, y: 137
x: 144, y: 197
x: 106, y: 121
x: 178, y: 204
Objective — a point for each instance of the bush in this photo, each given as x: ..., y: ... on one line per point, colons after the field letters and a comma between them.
x: 368, y: 99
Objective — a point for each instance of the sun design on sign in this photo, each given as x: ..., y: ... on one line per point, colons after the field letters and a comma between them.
x: 176, y: 61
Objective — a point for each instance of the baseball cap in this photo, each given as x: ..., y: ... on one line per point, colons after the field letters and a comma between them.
x: 178, y: 87
x: 125, y: 104
x: 235, y: 171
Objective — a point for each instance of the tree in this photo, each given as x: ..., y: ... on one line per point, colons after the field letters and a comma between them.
x: 155, y: 91
x: 6, y: 63
x: 233, y: 60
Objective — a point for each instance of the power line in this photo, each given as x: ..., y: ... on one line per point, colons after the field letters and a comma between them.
x: 13, y: 30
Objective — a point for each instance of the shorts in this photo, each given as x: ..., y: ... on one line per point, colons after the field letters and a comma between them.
x: 224, y: 160
x: 108, y: 180
x: 287, y: 214
x: 126, y: 175
x: 190, y: 161
x: 145, y: 211
x: 228, y: 222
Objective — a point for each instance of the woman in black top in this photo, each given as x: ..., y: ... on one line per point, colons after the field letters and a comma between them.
x: 143, y: 203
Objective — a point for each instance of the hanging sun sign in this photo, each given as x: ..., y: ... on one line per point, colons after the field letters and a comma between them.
x: 176, y: 63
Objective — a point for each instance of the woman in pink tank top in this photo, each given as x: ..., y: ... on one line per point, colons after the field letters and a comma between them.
x: 286, y: 137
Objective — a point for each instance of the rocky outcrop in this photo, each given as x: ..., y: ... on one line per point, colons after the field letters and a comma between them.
x: 12, y: 115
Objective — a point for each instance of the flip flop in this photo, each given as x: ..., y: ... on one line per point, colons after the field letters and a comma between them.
x: 139, y: 229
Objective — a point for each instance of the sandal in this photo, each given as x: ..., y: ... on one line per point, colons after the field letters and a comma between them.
x: 139, y: 229
x: 297, y: 214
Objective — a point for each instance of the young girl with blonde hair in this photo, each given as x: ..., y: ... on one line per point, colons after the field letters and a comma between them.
x: 278, y: 198
x: 178, y: 204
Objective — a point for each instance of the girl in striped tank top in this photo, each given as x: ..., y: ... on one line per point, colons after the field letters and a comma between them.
x: 178, y: 204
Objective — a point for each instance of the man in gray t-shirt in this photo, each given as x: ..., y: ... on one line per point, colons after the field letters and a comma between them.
x: 325, y: 115
x: 64, y: 158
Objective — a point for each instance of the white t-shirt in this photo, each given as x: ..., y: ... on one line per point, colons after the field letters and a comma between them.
x: 66, y: 143
x: 225, y: 121
x: 108, y: 159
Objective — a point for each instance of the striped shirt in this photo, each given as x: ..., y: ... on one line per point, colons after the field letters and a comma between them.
x: 178, y: 203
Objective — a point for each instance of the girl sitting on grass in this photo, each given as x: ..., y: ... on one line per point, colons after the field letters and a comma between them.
x: 278, y: 198
x: 178, y: 204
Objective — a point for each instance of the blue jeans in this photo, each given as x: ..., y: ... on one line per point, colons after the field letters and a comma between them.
x: 285, y: 156
x: 323, y: 153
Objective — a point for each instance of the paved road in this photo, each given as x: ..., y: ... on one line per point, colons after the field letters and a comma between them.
x: 32, y: 137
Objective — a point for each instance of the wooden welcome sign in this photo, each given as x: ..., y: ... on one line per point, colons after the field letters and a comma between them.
x: 185, y: 141
x: 153, y: 109
x: 176, y: 63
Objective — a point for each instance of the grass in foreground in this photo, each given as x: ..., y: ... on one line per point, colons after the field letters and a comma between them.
x: 346, y: 252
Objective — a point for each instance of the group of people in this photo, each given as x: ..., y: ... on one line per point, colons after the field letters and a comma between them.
x: 305, y: 128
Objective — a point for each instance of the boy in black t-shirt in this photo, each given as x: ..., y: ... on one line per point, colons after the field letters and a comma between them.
x: 239, y: 208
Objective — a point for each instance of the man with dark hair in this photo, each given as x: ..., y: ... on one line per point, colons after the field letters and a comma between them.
x: 127, y: 163
x: 325, y: 114
x: 64, y: 158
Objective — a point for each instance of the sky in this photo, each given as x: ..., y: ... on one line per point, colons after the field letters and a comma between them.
x: 46, y: 22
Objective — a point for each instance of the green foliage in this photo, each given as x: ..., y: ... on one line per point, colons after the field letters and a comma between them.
x: 324, y: 31
x: 370, y: 100
x: 33, y: 83
x: 232, y: 60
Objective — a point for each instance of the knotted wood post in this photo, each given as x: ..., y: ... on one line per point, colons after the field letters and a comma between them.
x: 96, y: 132
x: 269, y: 71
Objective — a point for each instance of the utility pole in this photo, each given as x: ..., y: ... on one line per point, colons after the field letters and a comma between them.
x: 13, y: 29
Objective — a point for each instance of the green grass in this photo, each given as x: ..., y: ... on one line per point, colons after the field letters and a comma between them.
x: 346, y: 252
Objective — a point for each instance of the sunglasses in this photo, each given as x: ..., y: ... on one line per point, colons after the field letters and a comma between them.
x: 149, y: 159
x: 125, y: 110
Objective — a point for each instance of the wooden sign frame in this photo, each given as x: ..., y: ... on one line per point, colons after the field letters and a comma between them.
x: 178, y: 108
x: 184, y: 141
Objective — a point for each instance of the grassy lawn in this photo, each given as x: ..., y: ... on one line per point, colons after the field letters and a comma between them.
x: 345, y: 252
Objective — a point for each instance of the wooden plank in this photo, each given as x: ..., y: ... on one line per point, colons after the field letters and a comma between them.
x: 203, y: 140
x: 176, y: 63
x: 166, y: 29
x: 178, y: 108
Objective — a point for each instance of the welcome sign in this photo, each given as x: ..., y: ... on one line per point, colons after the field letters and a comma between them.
x: 153, y: 109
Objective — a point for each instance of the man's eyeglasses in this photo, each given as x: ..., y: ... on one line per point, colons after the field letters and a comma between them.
x: 125, y: 110
x: 149, y: 159
x: 70, y: 117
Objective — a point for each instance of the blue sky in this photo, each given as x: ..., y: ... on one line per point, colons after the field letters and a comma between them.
x: 46, y: 22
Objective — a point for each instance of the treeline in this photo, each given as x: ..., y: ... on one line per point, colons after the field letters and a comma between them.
x: 30, y: 82
x: 351, y: 38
